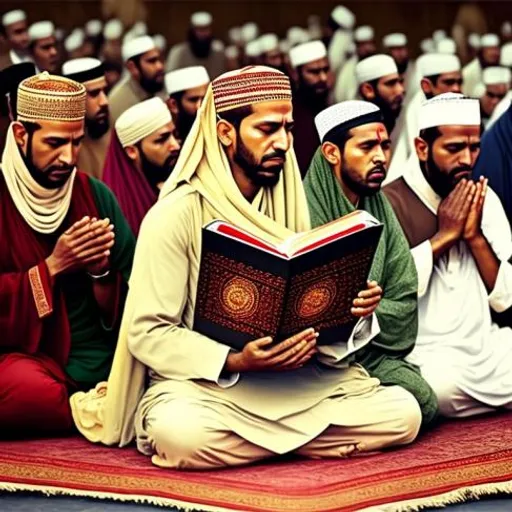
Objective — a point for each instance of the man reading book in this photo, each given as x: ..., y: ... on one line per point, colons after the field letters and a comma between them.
x: 346, y: 174
x: 208, y: 406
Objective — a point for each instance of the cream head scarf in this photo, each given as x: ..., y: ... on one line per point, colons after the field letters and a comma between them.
x: 50, y: 98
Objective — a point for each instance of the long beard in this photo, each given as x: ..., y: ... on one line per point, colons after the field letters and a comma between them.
x: 150, y: 85
x: 154, y: 173
x: 200, y: 48
x: 95, y: 129
x: 184, y: 124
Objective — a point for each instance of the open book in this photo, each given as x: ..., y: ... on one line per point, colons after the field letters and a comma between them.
x: 249, y: 288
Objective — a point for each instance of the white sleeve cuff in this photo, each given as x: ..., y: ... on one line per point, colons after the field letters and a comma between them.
x: 424, y: 261
x: 364, y: 331
x: 500, y: 299
x: 227, y: 382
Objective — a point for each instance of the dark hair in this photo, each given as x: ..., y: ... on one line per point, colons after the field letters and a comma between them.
x: 3, y: 32
x: 236, y: 115
x: 111, y: 65
x: 136, y: 60
x: 30, y: 126
x: 332, y: 24
x: 177, y: 96
x: 433, y: 78
x: 340, y: 139
x: 373, y: 83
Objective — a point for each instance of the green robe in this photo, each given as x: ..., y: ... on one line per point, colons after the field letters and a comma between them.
x: 92, y: 343
x: 393, y: 268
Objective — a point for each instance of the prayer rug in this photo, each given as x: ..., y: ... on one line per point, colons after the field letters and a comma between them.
x: 458, y: 461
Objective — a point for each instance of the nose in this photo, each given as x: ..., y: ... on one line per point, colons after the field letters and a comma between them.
x: 465, y: 157
x: 456, y: 88
x: 400, y: 88
x: 380, y: 155
x: 199, y: 103
x: 282, y: 140
x: 159, y: 65
x: 103, y: 99
x: 322, y: 77
x: 174, y: 145
x: 67, y: 155
x: 53, y: 51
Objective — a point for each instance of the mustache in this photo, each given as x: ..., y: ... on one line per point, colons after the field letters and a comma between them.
x: 461, y: 168
x: 278, y: 153
x: 103, y: 110
x: 378, y: 169
x: 61, y: 168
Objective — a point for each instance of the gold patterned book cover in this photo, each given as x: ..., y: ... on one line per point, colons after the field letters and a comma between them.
x: 249, y: 288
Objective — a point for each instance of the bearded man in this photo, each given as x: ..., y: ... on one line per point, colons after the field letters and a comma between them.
x: 14, y: 34
x: 208, y: 406
x: 65, y: 257
x: 93, y: 152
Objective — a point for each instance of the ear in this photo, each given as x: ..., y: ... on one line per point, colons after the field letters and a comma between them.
x: 331, y: 153
x: 133, y: 69
x: 426, y: 86
x: 367, y: 91
x: 173, y: 107
x: 226, y: 133
x: 20, y: 134
x: 132, y: 152
x: 421, y: 149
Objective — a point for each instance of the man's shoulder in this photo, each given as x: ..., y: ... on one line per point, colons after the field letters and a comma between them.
x: 177, y: 208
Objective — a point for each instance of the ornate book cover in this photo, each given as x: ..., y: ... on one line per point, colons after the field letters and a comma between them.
x: 248, y: 289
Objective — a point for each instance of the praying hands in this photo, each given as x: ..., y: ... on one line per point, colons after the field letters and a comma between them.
x: 85, y: 245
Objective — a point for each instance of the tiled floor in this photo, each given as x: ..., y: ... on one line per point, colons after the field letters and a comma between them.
x: 35, y: 503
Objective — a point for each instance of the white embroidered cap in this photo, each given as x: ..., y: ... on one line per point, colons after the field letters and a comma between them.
x: 139, y: 29
x: 297, y: 35
x: 160, y: 41
x: 437, y: 63
x: 15, y: 16
x: 201, y: 19
x: 186, y: 78
x: 496, y: 75
x: 250, y: 31
x: 40, y: 30
x: 346, y: 115
x: 506, y: 55
x: 269, y: 43
x: 364, y: 34
x: 231, y: 52
x: 307, y: 52
x: 113, y: 29
x: 395, y: 40
x: 428, y: 46
x: 438, y: 35
x: 489, y: 41
x: 375, y: 67
x: 93, y: 28
x: 474, y: 40
x: 344, y: 17
x: 449, y: 109
x: 137, y: 46
x: 447, y: 46
x: 75, y: 40
x: 141, y: 120
x: 235, y: 35
x: 253, y: 49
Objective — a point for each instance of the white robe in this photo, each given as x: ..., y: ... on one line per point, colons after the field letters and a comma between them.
x: 400, y: 149
x: 462, y: 353
x: 500, y: 109
x: 471, y: 77
x: 346, y: 83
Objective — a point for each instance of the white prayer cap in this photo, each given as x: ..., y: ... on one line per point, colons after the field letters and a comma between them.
x: 343, y: 17
x: 307, y: 52
x: 438, y: 63
x: 253, y: 49
x: 363, y: 34
x: 297, y: 35
x: 137, y: 46
x: 231, y: 52
x: 506, y: 28
x: 449, y: 109
x: 84, y: 69
x: 269, y: 43
x: 186, y: 78
x: 139, y: 29
x: 478, y: 91
x: 474, y: 40
x: 141, y: 120
x: 506, y: 55
x: 218, y: 45
x: 496, y: 75
x: 438, y: 35
x: 201, y: 19
x: 489, y: 41
x: 75, y: 40
x: 346, y: 115
x: 160, y: 41
x: 447, y: 46
x: 250, y: 31
x: 235, y: 35
x: 394, y: 40
x: 11, y: 17
x: 93, y: 28
x: 284, y: 46
x: 375, y: 67
x: 428, y: 46
x: 40, y: 30
x: 113, y: 29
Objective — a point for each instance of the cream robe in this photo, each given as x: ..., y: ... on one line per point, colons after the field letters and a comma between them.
x: 92, y: 155
x: 459, y: 349
x: 471, y: 77
x: 181, y: 56
x: 500, y: 109
x: 400, y: 148
x: 124, y: 95
x: 346, y: 82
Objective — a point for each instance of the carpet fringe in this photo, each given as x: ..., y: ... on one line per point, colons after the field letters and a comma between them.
x: 132, y: 498
x: 461, y: 495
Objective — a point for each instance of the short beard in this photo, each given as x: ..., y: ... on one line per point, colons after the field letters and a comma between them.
x: 184, y: 123
x: 402, y: 68
x: 95, y: 129
x: 156, y: 174
x: 390, y: 116
x: 246, y: 161
x: 200, y: 48
x: 150, y: 85
x: 317, y: 101
x: 359, y: 187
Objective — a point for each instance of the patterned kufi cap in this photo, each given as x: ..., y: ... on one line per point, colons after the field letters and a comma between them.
x: 250, y: 85
x: 46, y: 97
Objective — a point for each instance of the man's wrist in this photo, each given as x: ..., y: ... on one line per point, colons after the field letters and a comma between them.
x: 476, y: 240
x: 52, y: 266
x: 442, y: 242
x: 233, y: 362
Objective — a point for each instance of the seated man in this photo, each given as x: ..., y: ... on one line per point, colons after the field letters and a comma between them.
x: 208, y: 406
x: 65, y: 251
x: 142, y: 154
x: 186, y: 88
x: 346, y: 174
x: 461, y: 243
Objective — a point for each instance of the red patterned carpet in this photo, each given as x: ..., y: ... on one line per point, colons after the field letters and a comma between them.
x: 463, y: 459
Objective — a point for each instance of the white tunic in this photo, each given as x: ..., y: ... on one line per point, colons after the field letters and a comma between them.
x: 457, y: 341
x: 471, y: 77
x: 500, y: 109
x: 346, y: 82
